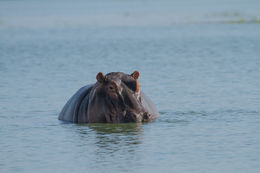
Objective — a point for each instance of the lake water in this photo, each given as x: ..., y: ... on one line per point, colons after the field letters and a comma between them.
x: 198, y: 62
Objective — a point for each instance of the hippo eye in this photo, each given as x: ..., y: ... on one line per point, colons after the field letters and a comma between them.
x: 111, y: 87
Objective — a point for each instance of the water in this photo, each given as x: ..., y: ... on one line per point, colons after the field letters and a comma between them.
x: 199, y: 63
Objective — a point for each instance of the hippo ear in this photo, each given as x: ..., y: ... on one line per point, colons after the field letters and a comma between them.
x: 135, y: 74
x: 100, y: 77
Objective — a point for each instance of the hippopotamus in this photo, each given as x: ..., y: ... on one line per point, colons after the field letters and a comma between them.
x: 115, y: 98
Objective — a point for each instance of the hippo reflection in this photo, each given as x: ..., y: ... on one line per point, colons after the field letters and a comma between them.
x: 114, y: 98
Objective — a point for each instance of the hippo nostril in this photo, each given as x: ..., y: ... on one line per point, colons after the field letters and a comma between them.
x: 147, y: 115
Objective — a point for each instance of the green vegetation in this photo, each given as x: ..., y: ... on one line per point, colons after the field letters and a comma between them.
x: 242, y: 20
x: 235, y: 17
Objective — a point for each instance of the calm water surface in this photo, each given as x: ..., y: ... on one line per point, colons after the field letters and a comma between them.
x: 201, y: 69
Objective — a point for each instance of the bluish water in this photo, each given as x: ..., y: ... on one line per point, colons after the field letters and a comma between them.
x: 198, y: 62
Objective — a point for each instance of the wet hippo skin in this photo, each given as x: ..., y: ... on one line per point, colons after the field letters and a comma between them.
x: 114, y: 98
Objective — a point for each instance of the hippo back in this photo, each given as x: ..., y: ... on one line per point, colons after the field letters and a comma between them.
x: 70, y: 111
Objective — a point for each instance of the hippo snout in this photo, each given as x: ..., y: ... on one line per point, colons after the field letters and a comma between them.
x: 147, y: 116
x: 141, y: 117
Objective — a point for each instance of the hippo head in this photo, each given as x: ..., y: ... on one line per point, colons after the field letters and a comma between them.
x: 120, y: 96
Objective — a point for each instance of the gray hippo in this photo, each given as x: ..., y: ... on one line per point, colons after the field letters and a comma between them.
x: 114, y: 98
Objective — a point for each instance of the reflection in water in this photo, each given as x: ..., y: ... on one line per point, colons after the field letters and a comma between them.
x: 112, y: 134
x: 112, y: 138
x: 127, y: 128
x: 112, y: 141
